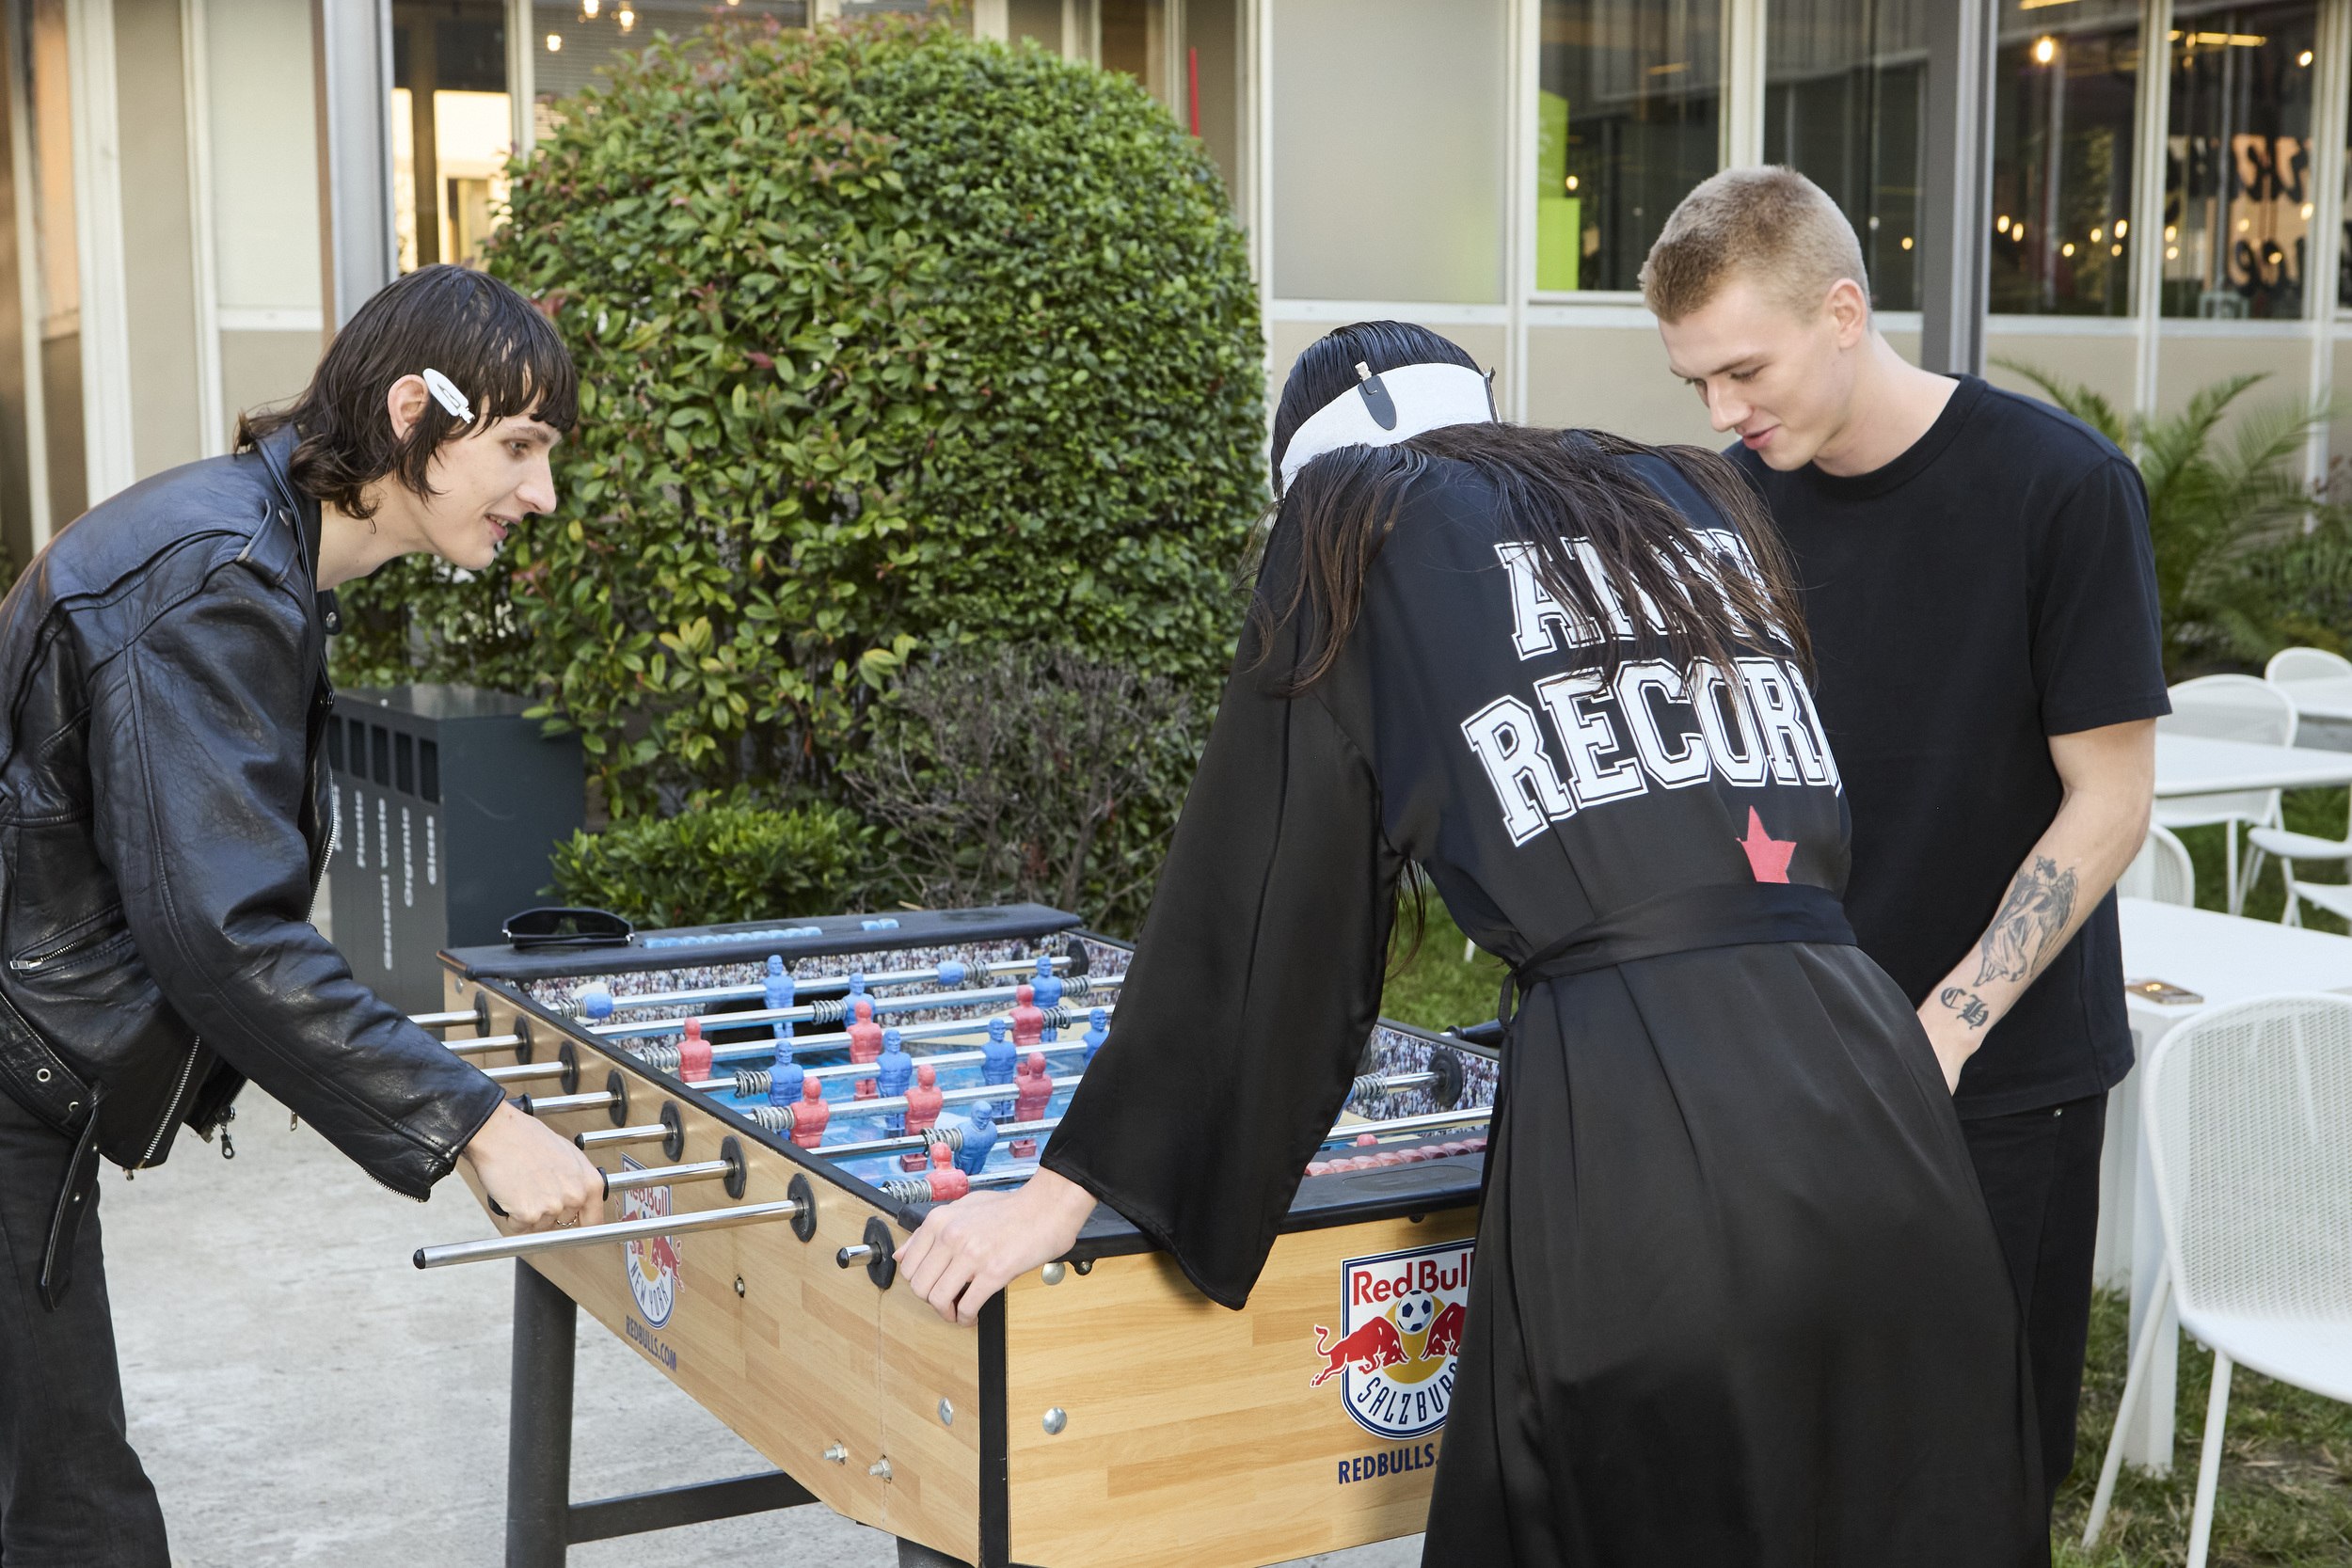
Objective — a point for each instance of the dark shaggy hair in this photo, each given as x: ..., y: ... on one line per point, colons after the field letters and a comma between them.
x: 491, y: 342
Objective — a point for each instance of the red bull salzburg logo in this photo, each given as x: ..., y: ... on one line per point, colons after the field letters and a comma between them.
x: 1401, y: 1318
x: 652, y: 1261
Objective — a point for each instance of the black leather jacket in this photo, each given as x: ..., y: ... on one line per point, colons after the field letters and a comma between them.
x: 163, y: 830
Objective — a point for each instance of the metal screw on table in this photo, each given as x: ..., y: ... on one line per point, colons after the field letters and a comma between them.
x: 879, y: 1467
x: 838, y: 1454
x: 1055, y: 1419
x: 946, y: 1413
x: 1053, y: 1273
x: 739, y: 1286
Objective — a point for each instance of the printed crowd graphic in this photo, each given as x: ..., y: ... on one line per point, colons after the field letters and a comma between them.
x: 1401, y: 1319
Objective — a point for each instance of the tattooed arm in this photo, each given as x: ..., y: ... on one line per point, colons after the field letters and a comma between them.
x: 2109, y: 777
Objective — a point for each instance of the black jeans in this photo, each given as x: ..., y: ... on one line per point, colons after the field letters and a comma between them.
x: 2040, y: 1171
x: 72, y: 1492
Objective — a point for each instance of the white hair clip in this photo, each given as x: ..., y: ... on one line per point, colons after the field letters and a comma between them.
x: 445, y: 392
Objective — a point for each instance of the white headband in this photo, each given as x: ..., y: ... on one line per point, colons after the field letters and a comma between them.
x: 1396, y: 406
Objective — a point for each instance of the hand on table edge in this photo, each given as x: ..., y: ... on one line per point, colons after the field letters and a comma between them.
x: 539, y: 1177
x: 966, y: 1251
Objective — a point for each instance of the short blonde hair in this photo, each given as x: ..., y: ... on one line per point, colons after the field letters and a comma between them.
x: 1772, y: 224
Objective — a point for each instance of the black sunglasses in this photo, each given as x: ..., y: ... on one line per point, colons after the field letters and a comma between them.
x: 552, y: 928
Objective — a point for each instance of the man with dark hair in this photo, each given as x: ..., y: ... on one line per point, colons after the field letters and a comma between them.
x: 1982, y: 593
x: 162, y: 830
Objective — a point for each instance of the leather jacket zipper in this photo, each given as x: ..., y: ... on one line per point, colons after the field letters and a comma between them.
x: 171, y: 1112
x: 82, y: 942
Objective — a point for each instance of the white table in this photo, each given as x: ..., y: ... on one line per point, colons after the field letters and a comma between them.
x: 2222, y: 959
x: 2194, y: 765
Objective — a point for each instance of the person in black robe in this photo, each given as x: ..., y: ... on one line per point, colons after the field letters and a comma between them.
x: 1735, y: 1297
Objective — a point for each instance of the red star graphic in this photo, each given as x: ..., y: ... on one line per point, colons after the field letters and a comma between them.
x: 1767, y: 857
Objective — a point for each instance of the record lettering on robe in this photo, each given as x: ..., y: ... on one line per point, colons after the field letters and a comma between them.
x: 1400, y: 1323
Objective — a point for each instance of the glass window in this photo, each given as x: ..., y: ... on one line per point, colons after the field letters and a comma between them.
x: 2063, y: 86
x: 1845, y: 101
x: 2237, y: 204
x: 451, y: 130
x: 1629, y: 121
x: 1389, y: 140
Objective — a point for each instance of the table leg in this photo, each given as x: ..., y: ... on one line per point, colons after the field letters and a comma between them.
x: 539, y: 1423
x: 2148, y: 1441
x: 2111, y: 1256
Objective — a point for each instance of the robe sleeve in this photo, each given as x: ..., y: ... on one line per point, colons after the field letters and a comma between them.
x: 1254, y: 986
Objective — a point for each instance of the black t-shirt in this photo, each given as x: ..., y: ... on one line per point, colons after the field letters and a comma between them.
x: 1989, y: 588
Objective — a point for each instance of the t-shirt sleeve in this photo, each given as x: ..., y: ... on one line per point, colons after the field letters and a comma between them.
x: 1254, y: 986
x: 2098, y: 656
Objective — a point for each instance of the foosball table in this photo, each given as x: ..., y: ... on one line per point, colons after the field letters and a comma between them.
x: 777, y: 1106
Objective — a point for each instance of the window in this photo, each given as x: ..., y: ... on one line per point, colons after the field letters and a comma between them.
x: 1388, y: 138
x: 1845, y: 104
x: 2237, y: 202
x: 2063, y: 85
x: 1629, y: 121
x: 574, y: 42
x: 452, y: 130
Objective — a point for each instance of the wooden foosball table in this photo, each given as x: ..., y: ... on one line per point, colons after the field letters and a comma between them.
x: 777, y: 1106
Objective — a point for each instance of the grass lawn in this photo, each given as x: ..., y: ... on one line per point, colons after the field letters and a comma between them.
x: 2285, y: 1498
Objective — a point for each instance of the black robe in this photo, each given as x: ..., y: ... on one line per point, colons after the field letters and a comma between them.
x: 1736, y: 1299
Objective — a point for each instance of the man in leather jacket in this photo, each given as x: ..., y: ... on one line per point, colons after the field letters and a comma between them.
x: 163, y: 829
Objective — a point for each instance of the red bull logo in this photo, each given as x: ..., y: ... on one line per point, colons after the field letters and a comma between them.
x: 1401, y: 1319
x: 652, y: 1261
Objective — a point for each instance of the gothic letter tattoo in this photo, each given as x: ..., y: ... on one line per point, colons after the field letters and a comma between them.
x: 1969, y: 1004
x: 2032, y: 920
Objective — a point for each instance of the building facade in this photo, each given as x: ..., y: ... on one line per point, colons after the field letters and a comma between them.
x: 195, y: 192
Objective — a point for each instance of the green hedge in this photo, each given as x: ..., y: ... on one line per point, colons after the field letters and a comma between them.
x: 891, y: 342
x: 717, y: 863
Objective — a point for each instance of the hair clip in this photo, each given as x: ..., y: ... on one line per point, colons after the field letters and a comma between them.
x: 445, y: 392
x: 1376, y: 400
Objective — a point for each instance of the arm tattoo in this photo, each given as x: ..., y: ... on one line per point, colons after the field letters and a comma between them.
x: 2032, y: 920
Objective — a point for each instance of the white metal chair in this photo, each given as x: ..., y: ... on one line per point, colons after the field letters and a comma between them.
x: 2245, y: 1112
x: 2229, y: 707
x: 2306, y: 664
x: 2161, y: 871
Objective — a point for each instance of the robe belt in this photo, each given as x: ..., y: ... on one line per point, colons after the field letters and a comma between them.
x: 1718, y: 914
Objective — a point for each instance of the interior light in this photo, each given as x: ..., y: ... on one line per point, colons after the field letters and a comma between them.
x: 2096, y: 236
x: 2067, y: 249
x: 2172, y: 253
x: 1571, y: 181
x: 2171, y: 232
x: 625, y: 17
x: 2000, y: 224
x: 1906, y: 242
x: 555, y: 43
x: 2244, y: 224
x: 588, y: 8
x: 2122, y: 227
x: 2307, y: 210
x: 2304, y: 58
x: 2046, y: 49
x: 2115, y: 250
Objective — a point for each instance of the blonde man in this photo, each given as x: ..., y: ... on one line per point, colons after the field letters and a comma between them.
x: 1981, y: 594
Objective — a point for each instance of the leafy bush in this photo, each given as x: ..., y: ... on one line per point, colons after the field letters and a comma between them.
x: 890, y: 342
x: 1027, y: 773
x: 2250, y: 558
x: 717, y: 863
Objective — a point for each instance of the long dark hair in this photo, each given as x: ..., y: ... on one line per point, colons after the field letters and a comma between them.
x: 1553, y: 487
x: 489, y: 340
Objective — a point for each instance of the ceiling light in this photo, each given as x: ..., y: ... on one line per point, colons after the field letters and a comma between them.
x: 2067, y: 249
x: 588, y: 8
x: 2115, y: 250
x: 2171, y: 253
x: 555, y: 43
x: 2304, y: 58
x: 2046, y: 49
x: 1906, y: 242
x: 2122, y: 227
x: 625, y: 17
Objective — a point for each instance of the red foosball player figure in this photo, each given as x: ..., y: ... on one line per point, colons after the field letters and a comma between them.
x: 693, y: 1054
x: 924, y: 1098
x: 1033, y: 1089
x: 948, y: 1183
x: 810, y: 1115
x: 865, y: 1043
x: 1028, y: 1018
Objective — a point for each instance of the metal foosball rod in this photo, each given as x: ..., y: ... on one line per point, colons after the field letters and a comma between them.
x: 597, y: 1235
x: 1080, y: 990
x: 484, y: 1045
x: 665, y: 1057
x: 444, y: 1021
x: 823, y: 985
x: 753, y: 1080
